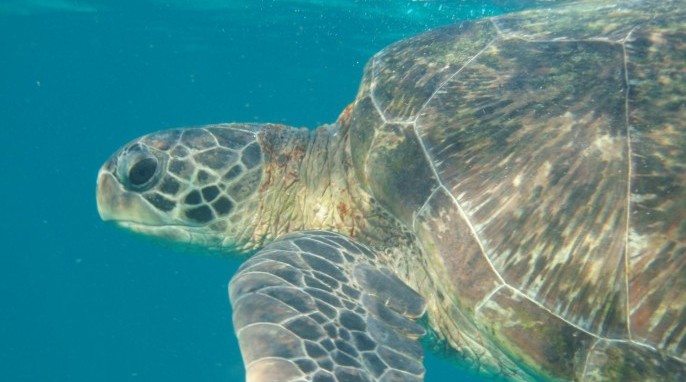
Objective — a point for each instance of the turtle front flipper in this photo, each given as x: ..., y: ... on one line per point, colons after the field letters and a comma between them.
x: 316, y: 306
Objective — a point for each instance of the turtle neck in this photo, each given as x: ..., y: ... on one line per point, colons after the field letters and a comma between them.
x: 308, y: 183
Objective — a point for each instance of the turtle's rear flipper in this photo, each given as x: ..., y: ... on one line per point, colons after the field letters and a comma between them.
x: 314, y: 306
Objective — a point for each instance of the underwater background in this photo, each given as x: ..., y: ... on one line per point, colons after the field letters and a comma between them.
x: 85, y: 301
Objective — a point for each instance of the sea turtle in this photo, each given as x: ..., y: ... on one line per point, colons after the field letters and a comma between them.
x: 514, y: 185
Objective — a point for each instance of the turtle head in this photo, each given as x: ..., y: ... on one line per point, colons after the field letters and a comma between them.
x: 195, y: 186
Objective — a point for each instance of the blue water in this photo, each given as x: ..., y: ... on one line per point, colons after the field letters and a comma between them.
x: 84, y: 301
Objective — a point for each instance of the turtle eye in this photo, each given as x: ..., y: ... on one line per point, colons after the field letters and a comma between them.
x: 138, y: 168
x: 142, y: 171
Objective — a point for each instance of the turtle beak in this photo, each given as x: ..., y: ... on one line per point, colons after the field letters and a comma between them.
x: 107, y: 188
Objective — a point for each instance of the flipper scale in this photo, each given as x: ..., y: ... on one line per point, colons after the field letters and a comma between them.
x: 317, y: 306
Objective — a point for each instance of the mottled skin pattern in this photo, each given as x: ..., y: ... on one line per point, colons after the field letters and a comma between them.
x: 521, y: 179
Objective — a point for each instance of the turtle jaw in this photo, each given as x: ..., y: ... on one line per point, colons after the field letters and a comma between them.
x: 128, y: 210
x: 115, y: 203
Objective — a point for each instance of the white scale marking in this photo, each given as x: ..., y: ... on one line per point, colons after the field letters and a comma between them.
x: 627, y: 309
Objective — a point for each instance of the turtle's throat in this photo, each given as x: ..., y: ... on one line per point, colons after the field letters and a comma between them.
x: 307, y: 182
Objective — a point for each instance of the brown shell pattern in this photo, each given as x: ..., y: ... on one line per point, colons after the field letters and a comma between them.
x: 542, y: 155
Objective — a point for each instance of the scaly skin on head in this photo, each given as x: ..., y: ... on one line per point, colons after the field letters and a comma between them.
x: 194, y: 186
x: 236, y: 187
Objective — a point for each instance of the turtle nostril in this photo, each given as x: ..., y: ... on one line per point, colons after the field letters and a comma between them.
x: 142, y: 171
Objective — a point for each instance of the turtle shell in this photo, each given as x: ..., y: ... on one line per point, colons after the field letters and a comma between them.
x: 540, y: 158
